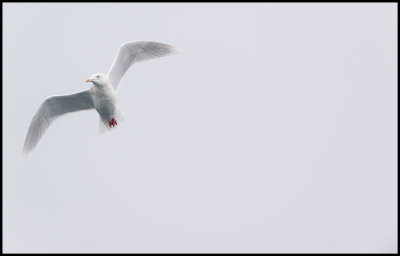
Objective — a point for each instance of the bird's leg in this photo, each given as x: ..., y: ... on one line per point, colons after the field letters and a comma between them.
x: 112, y: 122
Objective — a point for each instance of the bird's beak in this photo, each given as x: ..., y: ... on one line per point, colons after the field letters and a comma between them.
x: 88, y: 80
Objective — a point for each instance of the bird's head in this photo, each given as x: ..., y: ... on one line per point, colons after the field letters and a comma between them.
x: 98, y: 79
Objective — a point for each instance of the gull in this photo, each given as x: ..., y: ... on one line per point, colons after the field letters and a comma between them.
x: 101, y: 95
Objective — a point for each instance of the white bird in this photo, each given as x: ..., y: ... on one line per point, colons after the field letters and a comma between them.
x: 100, y: 96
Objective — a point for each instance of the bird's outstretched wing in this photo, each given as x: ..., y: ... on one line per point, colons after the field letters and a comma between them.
x: 52, y: 108
x: 131, y: 52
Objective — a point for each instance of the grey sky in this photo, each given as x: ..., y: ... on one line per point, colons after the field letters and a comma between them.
x: 274, y: 131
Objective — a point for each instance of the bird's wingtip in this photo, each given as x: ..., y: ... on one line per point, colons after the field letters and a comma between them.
x: 178, y: 50
x: 25, y: 153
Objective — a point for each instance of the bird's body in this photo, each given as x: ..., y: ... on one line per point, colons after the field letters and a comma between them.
x: 101, y: 96
x: 104, y: 101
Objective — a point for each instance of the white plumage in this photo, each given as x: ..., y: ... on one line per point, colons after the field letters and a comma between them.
x: 101, y: 96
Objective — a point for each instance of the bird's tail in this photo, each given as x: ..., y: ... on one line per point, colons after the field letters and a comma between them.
x: 104, y: 126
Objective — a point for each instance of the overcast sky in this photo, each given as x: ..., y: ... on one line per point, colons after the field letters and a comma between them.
x: 274, y: 131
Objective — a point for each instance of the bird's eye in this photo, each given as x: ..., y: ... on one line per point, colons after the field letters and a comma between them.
x: 97, y: 76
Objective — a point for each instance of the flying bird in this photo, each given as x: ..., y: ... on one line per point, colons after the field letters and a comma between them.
x: 101, y: 95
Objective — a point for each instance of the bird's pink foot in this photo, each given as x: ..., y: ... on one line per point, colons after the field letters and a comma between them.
x: 112, y: 122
